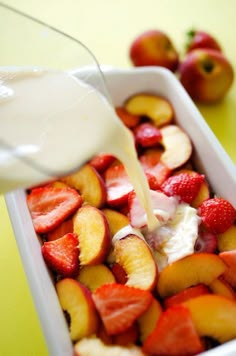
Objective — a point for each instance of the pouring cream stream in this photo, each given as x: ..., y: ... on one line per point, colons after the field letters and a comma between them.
x: 51, y: 123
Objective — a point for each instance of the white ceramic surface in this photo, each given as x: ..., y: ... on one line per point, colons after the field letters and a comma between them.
x: 209, y: 157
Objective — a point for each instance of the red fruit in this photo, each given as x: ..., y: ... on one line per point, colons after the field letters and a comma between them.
x: 118, y: 185
x: 127, y: 337
x: 129, y: 120
x: 156, y: 171
x: 63, y: 229
x: 147, y: 135
x: 206, y: 242
x: 62, y: 255
x: 185, y: 186
x: 119, y: 273
x: 154, y: 48
x: 120, y: 305
x: 164, y: 208
x: 50, y: 206
x: 174, y: 334
x: 102, y: 161
x: 186, y: 294
x: 201, y: 39
x: 217, y: 215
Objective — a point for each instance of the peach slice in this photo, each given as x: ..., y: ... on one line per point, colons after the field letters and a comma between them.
x: 147, y: 321
x: 189, y: 271
x: 178, y: 147
x: 156, y: 108
x: 91, y: 226
x: 88, y: 345
x: 95, y: 276
x: 229, y: 258
x: 214, y: 316
x: 221, y: 287
x: 116, y: 220
x: 77, y: 301
x: 135, y: 256
x: 227, y: 240
x: 90, y: 185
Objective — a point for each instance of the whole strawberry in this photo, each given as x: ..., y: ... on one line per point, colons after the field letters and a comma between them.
x: 217, y: 215
x: 184, y: 185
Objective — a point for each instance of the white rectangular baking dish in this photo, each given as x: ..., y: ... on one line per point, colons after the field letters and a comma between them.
x: 208, y: 154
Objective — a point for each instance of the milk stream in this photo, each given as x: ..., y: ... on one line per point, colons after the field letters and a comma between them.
x: 51, y: 123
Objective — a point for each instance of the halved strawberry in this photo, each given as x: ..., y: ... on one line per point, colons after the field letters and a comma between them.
x: 206, y: 242
x: 118, y: 185
x: 120, y: 305
x: 186, y: 294
x: 156, y: 171
x: 217, y: 214
x: 164, y: 208
x: 102, y: 161
x: 64, y: 228
x: 62, y: 255
x: 50, y: 206
x: 128, y: 119
x: 174, y: 334
x: 147, y: 135
x: 185, y: 186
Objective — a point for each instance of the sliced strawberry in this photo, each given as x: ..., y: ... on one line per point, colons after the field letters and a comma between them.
x: 118, y: 185
x: 62, y: 255
x: 185, y: 186
x: 63, y: 229
x: 156, y: 171
x: 119, y: 273
x: 229, y: 257
x: 174, y: 334
x: 164, y: 208
x: 206, y: 242
x: 147, y: 135
x: 186, y: 294
x: 128, y: 119
x: 50, y: 206
x: 217, y: 215
x: 102, y: 161
x: 120, y: 305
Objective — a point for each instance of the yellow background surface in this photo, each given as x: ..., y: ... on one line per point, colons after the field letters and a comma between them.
x: 108, y: 27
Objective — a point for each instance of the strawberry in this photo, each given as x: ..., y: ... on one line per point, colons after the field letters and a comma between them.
x: 186, y: 294
x: 217, y: 215
x: 229, y: 258
x: 102, y: 161
x: 61, y: 230
x: 185, y: 186
x: 147, y: 135
x: 206, y: 242
x: 62, y: 255
x: 174, y: 334
x: 129, y: 120
x: 118, y: 185
x: 164, y: 208
x: 120, y: 305
x: 156, y: 171
x: 50, y: 206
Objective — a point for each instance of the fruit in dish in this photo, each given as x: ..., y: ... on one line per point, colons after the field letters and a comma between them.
x: 130, y: 287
